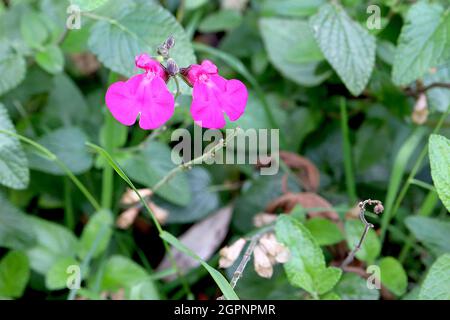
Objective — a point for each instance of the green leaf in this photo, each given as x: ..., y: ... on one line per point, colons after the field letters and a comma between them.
x: 56, y: 277
x: 393, y: 276
x: 14, y: 274
x: 437, y: 283
x: 68, y: 144
x: 51, y: 59
x: 90, y: 232
x: 439, y: 151
x: 144, y: 290
x: 324, y: 231
x: 194, y: 4
x: 53, y: 242
x: 306, y: 268
x: 424, y: 42
x: 220, y: 280
x: 353, y: 287
x: 89, y: 5
x: 432, y: 232
x: 121, y: 272
x: 33, y: 29
x: 291, y: 8
x: 222, y: 20
x: 138, y: 28
x: 371, y: 246
x: 150, y: 165
x: 347, y: 46
x: 61, y: 111
x: 203, y: 201
x: 14, y: 171
x: 12, y: 68
x: 287, y: 42
x: 15, y: 230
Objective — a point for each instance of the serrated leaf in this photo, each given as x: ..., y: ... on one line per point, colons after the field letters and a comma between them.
x: 432, y: 232
x: 14, y: 274
x: 424, y: 42
x: 14, y: 171
x: 150, y: 165
x: 439, y: 152
x: 306, y: 267
x: 68, y: 144
x: 287, y: 41
x: 57, y: 276
x: 138, y: 28
x: 15, y: 230
x: 347, y: 46
x: 393, y: 276
x: 437, y: 283
x: 91, y: 231
x: 324, y: 231
x: 371, y: 246
x: 12, y: 68
x: 51, y: 59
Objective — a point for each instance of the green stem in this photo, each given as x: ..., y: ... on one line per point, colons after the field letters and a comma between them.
x: 87, y: 259
x: 178, y: 87
x: 69, y: 216
x: 52, y: 157
x: 346, y: 146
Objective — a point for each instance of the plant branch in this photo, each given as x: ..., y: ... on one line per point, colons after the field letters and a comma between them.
x: 367, y: 226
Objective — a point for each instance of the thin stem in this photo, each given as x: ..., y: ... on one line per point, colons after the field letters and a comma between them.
x: 367, y: 226
x: 87, y: 259
x: 178, y: 88
x: 422, y: 184
x: 52, y: 157
x: 245, y: 259
x: 348, y: 163
x: 180, y: 11
x: 184, y: 166
x: 69, y: 216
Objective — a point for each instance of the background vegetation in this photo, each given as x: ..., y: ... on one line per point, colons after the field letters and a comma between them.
x: 362, y: 113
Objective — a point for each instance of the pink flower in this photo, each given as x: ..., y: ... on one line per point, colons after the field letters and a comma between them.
x: 213, y: 96
x: 144, y: 94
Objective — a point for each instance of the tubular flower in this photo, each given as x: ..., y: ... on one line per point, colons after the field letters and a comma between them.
x: 213, y: 96
x: 144, y: 94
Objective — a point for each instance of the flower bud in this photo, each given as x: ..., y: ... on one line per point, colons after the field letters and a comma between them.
x: 163, y: 51
x: 172, y: 67
x: 169, y: 43
x: 378, y: 208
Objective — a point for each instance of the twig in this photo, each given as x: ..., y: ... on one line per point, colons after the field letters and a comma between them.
x: 246, y: 258
x: 188, y: 165
x: 422, y: 89
x: 362, y: 207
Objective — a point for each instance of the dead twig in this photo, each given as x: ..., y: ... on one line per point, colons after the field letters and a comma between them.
x: 362, y: 207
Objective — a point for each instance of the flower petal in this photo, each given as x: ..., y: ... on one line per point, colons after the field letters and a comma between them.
x: 234, y: 99
x: 141, y: 94
x: 205, y: 107
x: 121, y: 101
x: 156, y: 104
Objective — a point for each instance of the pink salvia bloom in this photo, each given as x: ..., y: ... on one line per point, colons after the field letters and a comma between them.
x: 144, y: 94
x: 213, y: 96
